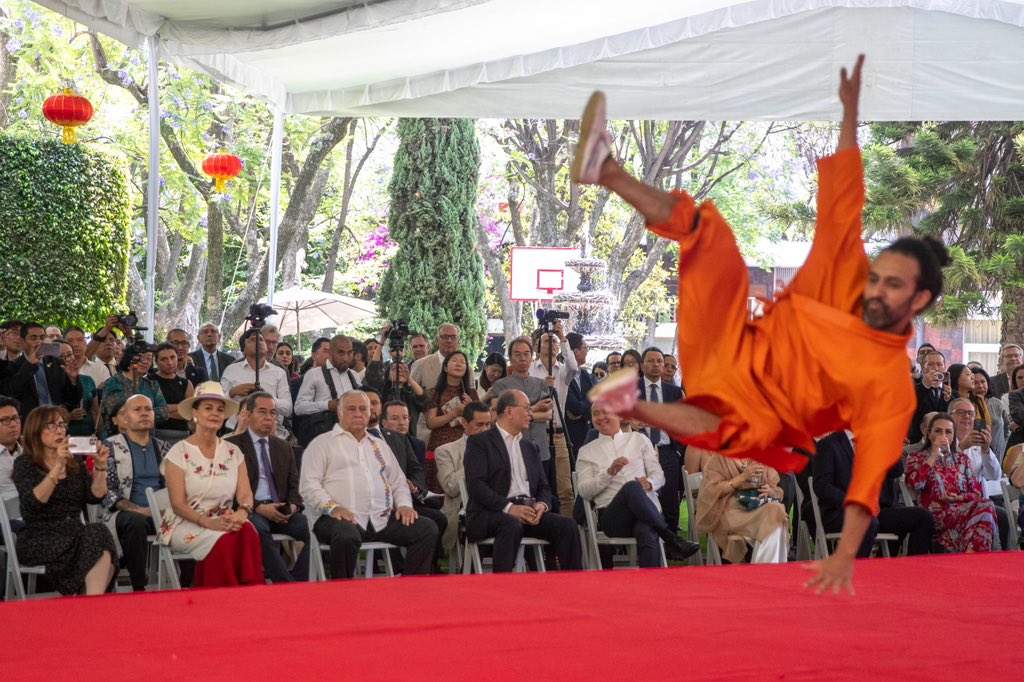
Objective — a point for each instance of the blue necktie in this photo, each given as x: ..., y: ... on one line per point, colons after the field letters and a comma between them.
x: 655, y: 432
x: 265, y: 459
x: 42, y: 390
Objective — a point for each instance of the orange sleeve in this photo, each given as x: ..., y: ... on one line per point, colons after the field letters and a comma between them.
x: 680, y: 223
x: 840, y: 190
x: 879, y: 445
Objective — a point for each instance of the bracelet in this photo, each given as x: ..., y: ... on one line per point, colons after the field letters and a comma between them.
x: 98, y: 469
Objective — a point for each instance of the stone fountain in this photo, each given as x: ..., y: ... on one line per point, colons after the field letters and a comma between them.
x: 591, y: 310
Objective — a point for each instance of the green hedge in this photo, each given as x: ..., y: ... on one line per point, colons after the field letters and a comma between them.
x: 65, y: 232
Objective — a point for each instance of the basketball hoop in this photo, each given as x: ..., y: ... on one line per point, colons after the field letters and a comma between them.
x: 550, y: 281
x: 538, y: 273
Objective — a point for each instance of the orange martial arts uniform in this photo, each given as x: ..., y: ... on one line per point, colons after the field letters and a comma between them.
x: 811, y: 365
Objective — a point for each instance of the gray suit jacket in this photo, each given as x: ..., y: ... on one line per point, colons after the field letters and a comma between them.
x: 448, y: 458
x: 999, y: 385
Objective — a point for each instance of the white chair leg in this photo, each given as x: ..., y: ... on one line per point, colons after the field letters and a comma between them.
x: 368, y: 568
x: 538, y: 553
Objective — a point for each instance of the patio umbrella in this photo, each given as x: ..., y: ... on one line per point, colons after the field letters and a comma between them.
x: 301, y: 310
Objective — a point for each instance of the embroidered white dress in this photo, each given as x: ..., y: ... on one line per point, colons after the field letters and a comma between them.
x: 210, y: 486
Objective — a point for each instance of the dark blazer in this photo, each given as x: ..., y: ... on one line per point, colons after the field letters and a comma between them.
x: 282, y: 461
x: 21, y: 385
x: 578, y: 405
x: 832, y: 468
x: 999, y: 385
x: 419, y: 446
x: 402, y: 447
x: 670, y: 393
x: 926, y: 403
x: 196, y: 374
x: 1017, y: 406
x: 489, y: 476
x: 223, y: 360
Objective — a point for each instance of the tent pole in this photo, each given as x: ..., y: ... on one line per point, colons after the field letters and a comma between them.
x: 277, y: 146
x: 153, y: 187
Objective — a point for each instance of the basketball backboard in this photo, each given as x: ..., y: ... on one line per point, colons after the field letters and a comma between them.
x: 538, y: 273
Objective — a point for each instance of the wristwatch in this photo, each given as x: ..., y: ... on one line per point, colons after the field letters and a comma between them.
x: 246, y: 507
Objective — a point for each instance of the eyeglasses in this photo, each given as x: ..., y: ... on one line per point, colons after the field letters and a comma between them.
x: 449, y: 337
x: 964, y: 413
x: 56, y: 426
x: 7, y: 421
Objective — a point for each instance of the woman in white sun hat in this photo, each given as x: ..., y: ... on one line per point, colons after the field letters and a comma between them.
x: 204, y: 476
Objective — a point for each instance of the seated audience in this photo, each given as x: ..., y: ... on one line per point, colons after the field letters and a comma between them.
x: 449, y: 457
x: 495, y: 367
x: 999, y: 417
x: 448, y: 397
x: 832, y: 468
x: 632, y: 359
x: 53, y: 489
x: 964, y: 517
x: 135, y: 458
x: 400, y: 421
x: 100, y: 363
x: 239, y: 379
x: 741, y: 500
x: 285, y: 358
x: 205, y: 475
x: 316, y: 408
x: 359, y: 492
x: 620, y: 473
x: 613, y: 362
x: 671, y: 452
x: 37, y: 380
x: 669, y: 370
x: 509, y: 495
x: 274, y: 480
x: 174, y: 388
x: 1014, y: 399
x: 130, y: 379
x: 599, y: 370
x: 186, y: 368
x: 977, y: 446
x: 10, y: 444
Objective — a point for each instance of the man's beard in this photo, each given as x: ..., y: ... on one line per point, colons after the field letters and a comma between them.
x: 878, y: 315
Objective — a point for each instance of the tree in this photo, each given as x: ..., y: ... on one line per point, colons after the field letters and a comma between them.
x: 964, y: 182
x: 437, y: 275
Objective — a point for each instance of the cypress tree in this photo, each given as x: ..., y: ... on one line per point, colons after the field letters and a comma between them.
x: 436, y: 276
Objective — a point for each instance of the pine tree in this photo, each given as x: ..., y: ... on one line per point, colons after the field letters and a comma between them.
x: 436, y: 276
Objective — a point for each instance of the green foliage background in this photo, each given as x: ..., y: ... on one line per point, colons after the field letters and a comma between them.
x: 65, y: 232
x: 436, y: 276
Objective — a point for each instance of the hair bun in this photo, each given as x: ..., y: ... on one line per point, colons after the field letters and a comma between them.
x: 939, y: 250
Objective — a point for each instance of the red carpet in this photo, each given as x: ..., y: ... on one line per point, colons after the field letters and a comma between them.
x: 945, y: 617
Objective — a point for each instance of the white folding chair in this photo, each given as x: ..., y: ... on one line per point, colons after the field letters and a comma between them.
x: 471, y: 554
x: 909, y: 496
x: 317, y: 570
x: 167, y: 561
x: 822, y: 540
x: 10, y: 508
x: 1011, y: 503
x: 595, y: 538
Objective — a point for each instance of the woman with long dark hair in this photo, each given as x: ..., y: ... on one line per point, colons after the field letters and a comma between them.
x: 495, y: 367
x: 444, y: 416
x: 53, y: 489
x: 999, y: 418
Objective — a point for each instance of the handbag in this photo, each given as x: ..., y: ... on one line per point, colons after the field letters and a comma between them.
x: 751, y: 499
x: 309, y: 426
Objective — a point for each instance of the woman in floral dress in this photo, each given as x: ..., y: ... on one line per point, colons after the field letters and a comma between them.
x: 444, y: 416
x: 964, y: 518
x: 204, y: 475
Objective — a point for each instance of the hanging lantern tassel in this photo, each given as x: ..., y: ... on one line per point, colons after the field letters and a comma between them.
x: 222, y: 167
x: 68, y: 110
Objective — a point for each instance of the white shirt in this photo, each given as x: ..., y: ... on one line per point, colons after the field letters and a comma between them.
x: 595, y: 457
x: 7, y: 488
x: 339, y: 470
x: 520, y: 484
x: 987, y: 468
x: 661, y: 398
x: 273, y: 380
x: 314, y: 393
x: 564, y: 373
x: 99, y: 371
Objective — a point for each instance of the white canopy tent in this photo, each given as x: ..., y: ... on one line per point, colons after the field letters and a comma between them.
x: 656, y: 59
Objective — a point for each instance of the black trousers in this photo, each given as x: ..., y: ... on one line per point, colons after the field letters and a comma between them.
x: 440, y: 520
x: 916, y: 522
x: 670, y: 494
x: 631, y: 514
x: 274, y: 568
x: 508, y: 533
x: 343, y: 537
x: 132, y: 530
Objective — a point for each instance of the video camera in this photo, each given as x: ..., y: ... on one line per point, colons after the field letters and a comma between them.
x: 258, y: 314
x: 138, y: 344
x: 546, y: 318
x: 129, y: 319
x: 397, y: 335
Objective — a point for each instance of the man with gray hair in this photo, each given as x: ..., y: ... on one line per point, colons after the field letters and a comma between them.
x: 1010, y: 357
x: 355, y: 485
x: 208, y: 355
x: 426, y: 371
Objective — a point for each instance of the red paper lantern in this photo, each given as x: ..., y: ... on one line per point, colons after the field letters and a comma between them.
x: 68, y: 110
x: 222, y: 167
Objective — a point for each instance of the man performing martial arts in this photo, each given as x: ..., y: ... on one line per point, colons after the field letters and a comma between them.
x: 828, y: 354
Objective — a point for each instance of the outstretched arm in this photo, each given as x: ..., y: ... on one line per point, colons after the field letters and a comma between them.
x: 849, y: 94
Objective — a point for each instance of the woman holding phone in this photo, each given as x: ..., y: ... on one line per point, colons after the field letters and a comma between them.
x: 204, y: 476
x: 53, y: 488
x: 444, y: 416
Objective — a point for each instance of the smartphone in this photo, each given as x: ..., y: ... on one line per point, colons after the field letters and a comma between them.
x: 82, y: 445
x: 979, y: 425
x: 284, y: 508
x: 49, y: 350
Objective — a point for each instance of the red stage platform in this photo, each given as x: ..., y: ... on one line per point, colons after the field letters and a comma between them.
x: 944, y: 617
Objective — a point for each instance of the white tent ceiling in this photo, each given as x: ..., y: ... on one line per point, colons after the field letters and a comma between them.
x: 662, y: 59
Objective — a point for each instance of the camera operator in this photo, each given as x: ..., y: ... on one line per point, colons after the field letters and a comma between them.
x: 393, y: 380
x: 38, y: 377
x: 131, y: 380
x: 102, y: 365
x: 115, y: 323
x: 933, y: 393
x: 239, y: 379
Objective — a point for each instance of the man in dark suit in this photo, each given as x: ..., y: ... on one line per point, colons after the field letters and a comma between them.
x: 207, y: 356
x: 274, y: 479
x: 577, y: 405
x: 34, y: 380
x: 832, y: 469
x: 509, y: 495
x: 1010, y: 357
x: 933, y: 395
x: 192, y: 371
x: 670, y: 452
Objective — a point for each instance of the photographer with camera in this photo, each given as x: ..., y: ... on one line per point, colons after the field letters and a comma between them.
x: 131, y: 379
x: 393, y: 380
x: 240, y: 378
x: 933, y: 393
x: 38, y: 377
x: 316, y: 407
